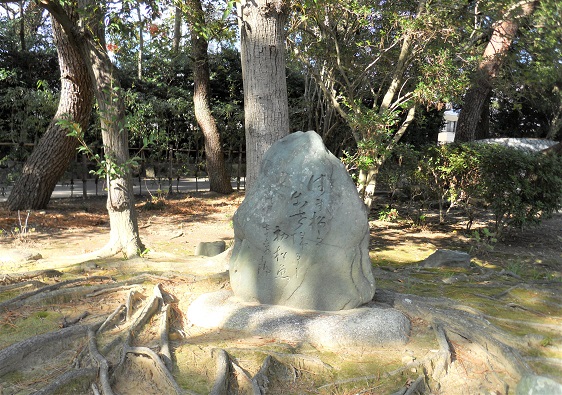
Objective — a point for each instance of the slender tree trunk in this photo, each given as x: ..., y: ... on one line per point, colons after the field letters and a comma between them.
x: 124, y: 234
x: 22, y: 27
x: 262, y: 50
x: 556, y: 121
x: 141, y: 43
x: 498, y: 46
x: 483, y: 126
x: 368, y: 178
x: 177, y: 31
x: 216, y: 169
x: 55, y: 150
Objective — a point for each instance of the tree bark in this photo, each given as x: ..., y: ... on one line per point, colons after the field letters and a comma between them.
x: 177, y: 30
x: 141, y: 43
x: 219, y: 179
x: 494, y: 53
x: 262, y: 51
x: 55, y: 150
x: 124, y: 235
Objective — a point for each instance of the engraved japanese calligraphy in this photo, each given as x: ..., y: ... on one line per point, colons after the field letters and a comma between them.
x: 301, y: 234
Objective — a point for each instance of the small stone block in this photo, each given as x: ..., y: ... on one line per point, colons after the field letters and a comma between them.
x: 447, y: 258
x: 211, y: 248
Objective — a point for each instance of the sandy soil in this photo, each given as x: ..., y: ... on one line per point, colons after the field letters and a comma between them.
x: 172, y: 228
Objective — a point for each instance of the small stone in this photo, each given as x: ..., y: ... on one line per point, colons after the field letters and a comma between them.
x: 211, y: 248
x: 456, y: 278
x: 406, y: 359
x: 447, y: 258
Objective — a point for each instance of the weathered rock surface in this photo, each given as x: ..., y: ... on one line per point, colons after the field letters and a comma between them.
x: 301, y: 233
x: 371, y: 326
x: 538, y: 385
x: 447, y: 258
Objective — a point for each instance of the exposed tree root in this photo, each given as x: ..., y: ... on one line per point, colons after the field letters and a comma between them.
x: 160, y: 370
x: 88, y: 374
x: 13, y: 357
x: 12, y: 278
x: 23, y: 298
x: 255, y: 388
x: 164, y: 329
x: 297, y: 361
x: 26, y: 284
x: 149, y: 309
x: 444, y: 355
x: 221, y: 385
x: 416, y: 386
x: 230, y: 376
x: 497, y: 343
x: 110, y: 318
x: 101, y: 362
x: 66, y: 322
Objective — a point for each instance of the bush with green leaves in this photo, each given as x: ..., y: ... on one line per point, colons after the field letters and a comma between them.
x: 454, y: 176
x: 520, y: 188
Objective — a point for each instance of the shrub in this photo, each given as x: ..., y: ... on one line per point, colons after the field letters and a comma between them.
x: 520, y: 188
x: 454, y: 171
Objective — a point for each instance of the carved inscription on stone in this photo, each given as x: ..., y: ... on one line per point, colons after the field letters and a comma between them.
x: 302, y: 232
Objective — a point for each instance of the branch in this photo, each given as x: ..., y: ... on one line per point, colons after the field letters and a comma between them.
x: 59, y: 14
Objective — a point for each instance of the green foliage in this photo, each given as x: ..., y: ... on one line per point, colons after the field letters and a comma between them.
x: 454, y: 172
x: 519, y: 188
x: 483, y: 240
x: 107, y: 167
x: 400, y: 169
x: 388, y: 214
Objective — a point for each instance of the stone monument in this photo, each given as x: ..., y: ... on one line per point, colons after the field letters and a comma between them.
x: 300, y: 264
x: 302, y: 233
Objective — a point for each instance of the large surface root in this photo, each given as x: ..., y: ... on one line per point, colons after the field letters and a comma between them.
x: 126, y: 347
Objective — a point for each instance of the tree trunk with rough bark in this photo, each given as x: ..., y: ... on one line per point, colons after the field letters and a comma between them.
x: 498, y: 46
x: 262, y: 50
x: 55, y: 150
x: 219, y: 179
x: 124, y: 234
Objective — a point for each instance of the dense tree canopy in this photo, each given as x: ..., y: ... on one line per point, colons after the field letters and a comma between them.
x: 364, y: 75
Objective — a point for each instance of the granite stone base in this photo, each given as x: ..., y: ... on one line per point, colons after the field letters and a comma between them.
x: 354, y: 328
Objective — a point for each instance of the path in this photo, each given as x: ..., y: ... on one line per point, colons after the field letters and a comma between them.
x: 66, y: 189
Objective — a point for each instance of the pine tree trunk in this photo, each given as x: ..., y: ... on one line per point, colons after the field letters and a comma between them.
x: 216, y: 169
x: 471, y: 113
x: 55, y: 150
x: 262, y: 50
x: 498, y: 46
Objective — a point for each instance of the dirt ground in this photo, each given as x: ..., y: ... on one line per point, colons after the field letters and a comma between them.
x: 513, y: 283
